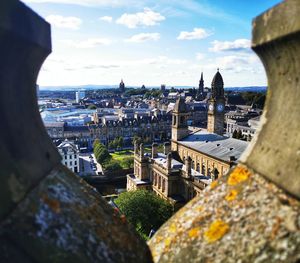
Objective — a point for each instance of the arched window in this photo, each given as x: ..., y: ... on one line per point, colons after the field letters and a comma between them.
x: 208, y: 172
x: 198, y: 167
x: 215, y: 174
x: 203, y: 169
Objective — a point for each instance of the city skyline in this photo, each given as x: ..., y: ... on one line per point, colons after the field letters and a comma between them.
x: 145, y: 42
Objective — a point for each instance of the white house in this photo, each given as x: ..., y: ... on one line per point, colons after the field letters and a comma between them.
x: 70, y: 155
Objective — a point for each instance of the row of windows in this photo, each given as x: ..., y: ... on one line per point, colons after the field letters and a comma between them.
x: 71, y: 156
x: 71, y: 163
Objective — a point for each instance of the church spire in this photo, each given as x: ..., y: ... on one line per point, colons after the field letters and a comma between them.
x: 201, y: 85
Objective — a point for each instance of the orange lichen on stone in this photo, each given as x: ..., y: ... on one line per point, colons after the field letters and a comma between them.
x: 199, y: 208
x: 213, y: 184
x: 194, y: 232
x: 52, y: 203
x: 276, y: 227
x: 216, y: 231
x: 238, y: 175
x: 231, y: 195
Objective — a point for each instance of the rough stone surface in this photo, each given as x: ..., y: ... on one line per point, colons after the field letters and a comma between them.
x: 275, y: 153
x: 47, y: 214
x: 65, y: 220
x: 241, y: 218
x: 26, y: 152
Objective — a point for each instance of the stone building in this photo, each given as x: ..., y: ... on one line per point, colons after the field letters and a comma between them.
x: 70, y: 155
x: 192, y: 160
x: 149, y: 128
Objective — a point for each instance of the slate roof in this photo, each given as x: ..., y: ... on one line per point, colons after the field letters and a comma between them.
x: 214, y: 145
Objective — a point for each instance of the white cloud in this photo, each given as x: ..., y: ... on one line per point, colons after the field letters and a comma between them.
x: 108, y: 19
x: 145, y: 18
x: 200, y: 56
x: 197, y: 33
x: 236, y: 45
x: 89, y: 43
x: 69, y: 22
x: 237, y: 63
x: 161, y: 60
x: 143, y: 37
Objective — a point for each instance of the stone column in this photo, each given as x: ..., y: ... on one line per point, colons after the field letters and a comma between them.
x: 167, y: 147
x: 142, y: 151
x: 188, y: 167
x: 169, y: 162
x: 154, y: 150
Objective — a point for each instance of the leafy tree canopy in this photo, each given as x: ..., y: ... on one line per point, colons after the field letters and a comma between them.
x: 144, y: 210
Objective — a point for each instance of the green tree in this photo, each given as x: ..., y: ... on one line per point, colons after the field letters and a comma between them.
x: 239, y: 135
x: 101, y: 153
x: 127, y: 162
x: 97, y: 141
x: 92, y: 107
x: 234, y: 134
x: 136, y: 139
x: 144, y: 210
x: 112, y: 165
x: 120, y: 142
x: 111, y: 145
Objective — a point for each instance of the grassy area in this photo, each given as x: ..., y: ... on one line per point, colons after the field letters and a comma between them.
x: 160, y: 149
x: 119, y: 156
x: 125, y: 158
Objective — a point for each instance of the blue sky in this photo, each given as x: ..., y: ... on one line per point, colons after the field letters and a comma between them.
x: 150, y: 42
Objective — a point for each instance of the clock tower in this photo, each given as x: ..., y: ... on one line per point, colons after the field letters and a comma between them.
x: 179, y: 120
x: 216, y: 106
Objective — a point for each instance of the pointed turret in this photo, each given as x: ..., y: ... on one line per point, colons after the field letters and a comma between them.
x: 201, y: 84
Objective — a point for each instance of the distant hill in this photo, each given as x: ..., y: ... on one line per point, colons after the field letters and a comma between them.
x: 97, y: 87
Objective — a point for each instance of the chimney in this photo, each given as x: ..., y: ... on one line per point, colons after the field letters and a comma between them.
x: 169, y: 161
x: 188, y: 167
x: 142, y: 150
x: 232, y: 158
x: 167, y: 147
x: 154, y: 150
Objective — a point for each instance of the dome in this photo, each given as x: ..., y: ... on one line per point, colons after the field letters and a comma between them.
x: 217, y: 85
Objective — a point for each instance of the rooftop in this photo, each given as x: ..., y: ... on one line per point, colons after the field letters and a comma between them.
x: 215, y: 145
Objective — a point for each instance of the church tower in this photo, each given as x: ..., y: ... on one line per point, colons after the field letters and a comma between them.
x: 179, y: 120
x: 122, y: 86
x: 216, y: 106
x: 201, y: 85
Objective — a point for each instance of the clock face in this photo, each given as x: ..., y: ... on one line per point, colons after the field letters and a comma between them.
x: 220, y: 107
x: 211, y: 107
